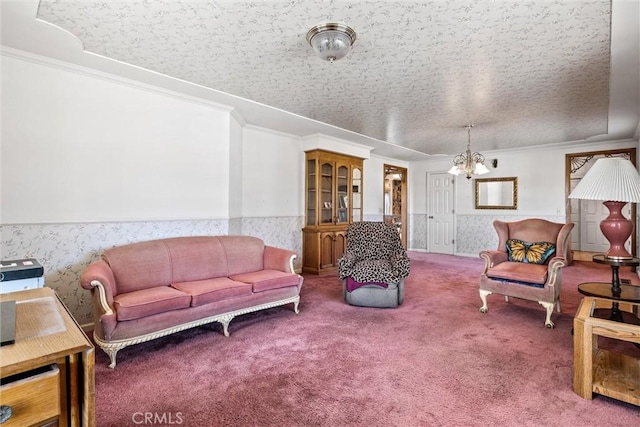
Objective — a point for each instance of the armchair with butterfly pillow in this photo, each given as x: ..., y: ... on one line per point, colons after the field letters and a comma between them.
x: 528, y: 263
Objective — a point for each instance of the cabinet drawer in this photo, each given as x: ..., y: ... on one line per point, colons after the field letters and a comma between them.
x: 34, y: 396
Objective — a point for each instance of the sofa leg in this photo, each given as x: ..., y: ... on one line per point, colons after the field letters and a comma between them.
x: 483, y: 297
x: 110, y: 348
x: 225, y: 324
x: 112, y: 356
x: 295, y: 306
x: 558, y: 306
x: 549, y: 306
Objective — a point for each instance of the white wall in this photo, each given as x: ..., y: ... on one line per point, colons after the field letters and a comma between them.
x: 91, y: 161
x: 236, y: 167
x: 77, y: 147
x: 541, y: 192
x: 540, y: 173
x: 272, y: 179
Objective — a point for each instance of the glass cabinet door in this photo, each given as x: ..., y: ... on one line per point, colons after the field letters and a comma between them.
x: 342, y: 195
x: 326, y: 193
x: 312, y: 195
x: 356, y: 189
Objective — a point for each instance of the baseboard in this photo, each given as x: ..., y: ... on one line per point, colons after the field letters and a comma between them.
x: 583, y: 255
x: 87, y: 328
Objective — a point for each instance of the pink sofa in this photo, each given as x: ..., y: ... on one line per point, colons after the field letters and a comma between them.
x: 147, y: 290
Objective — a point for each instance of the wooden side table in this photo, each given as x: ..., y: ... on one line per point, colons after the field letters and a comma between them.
x: 615, y: 264
x: 615, y: 290
x: 48, y: 374
x: 602, y: 371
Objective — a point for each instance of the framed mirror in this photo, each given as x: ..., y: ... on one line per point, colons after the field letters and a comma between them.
x: 497, y: 193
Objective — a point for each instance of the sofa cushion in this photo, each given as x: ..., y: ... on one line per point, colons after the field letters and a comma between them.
x: 146, y: 302
x: 265, y: 280
x: 519, y: 272
x: 206, y: 291
x: 196, y: 258
x: 139, y: 265
x: 245, y: 254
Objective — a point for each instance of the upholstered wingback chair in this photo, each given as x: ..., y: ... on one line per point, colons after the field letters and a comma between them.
x: 528, y: 263
x: 374, y: 265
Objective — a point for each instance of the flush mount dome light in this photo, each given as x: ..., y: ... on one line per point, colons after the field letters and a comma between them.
x: 331, y: 41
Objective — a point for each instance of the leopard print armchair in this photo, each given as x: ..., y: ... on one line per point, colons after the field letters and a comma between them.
x: 374, y: 265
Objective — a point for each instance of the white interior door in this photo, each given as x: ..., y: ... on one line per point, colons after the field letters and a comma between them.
x: 575, y: 218
x: 591, y: 238
x: 440, y: 196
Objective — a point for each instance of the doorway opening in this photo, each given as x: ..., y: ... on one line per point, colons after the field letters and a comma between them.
x: 586, y: 237
x: 394, y: 209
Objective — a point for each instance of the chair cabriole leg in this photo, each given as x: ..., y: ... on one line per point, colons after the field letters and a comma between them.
x: 483, y: 297
x: 549, y: 307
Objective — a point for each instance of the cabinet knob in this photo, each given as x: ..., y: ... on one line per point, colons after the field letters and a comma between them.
x: 5, y: 413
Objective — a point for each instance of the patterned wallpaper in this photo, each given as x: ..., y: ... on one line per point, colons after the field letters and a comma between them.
x: 65, y: 250
x: 475, y: 233
x: 417, y: 231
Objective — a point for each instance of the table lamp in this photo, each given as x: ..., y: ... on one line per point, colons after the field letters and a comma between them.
x: 616, y: 181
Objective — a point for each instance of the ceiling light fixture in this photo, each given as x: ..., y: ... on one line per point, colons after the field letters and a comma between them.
x: 616, y: 181
x: 468, y: 163
x: 331, y: 41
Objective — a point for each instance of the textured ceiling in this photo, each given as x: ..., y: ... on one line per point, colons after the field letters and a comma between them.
x: 524, y: 72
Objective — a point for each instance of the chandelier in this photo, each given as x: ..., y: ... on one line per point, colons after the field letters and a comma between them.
x: 331, y: 41
x: 468, y: 163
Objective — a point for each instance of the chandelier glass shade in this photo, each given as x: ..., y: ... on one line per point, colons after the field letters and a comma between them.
x: 331, y: 41
x: 468, y: 163
x: 615, y: 181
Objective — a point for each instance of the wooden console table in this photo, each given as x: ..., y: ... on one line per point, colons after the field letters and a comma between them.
x: 48, y: 373
x: 598, y: 370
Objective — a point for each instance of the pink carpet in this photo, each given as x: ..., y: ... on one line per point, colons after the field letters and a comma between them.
x: 435, y: 361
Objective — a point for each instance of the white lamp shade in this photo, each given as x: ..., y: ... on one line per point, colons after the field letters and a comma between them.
x: 455, y: 170
x: 611, y: 179
x: 480, y: 169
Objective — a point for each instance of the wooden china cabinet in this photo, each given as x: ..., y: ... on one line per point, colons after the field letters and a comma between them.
x: 333, y: 200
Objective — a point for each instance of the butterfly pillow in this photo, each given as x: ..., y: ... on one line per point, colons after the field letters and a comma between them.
x: 533, y: 253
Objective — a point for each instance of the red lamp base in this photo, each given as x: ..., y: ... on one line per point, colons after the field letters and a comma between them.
x: 617, y: 229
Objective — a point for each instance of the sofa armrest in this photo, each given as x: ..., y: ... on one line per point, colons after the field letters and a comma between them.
x: 279, y: 259
x: 492, y: 258
x: 98, y: 277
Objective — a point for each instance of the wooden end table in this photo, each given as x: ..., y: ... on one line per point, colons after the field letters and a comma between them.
x: 601, y: 371
x: 48, y: 373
